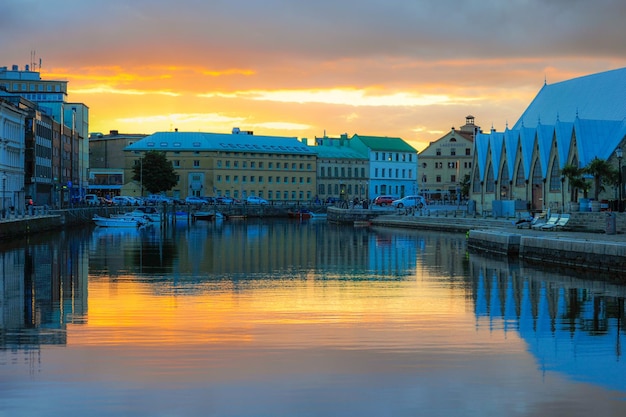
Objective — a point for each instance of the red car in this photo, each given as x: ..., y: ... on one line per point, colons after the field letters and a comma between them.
x: 384, y: 200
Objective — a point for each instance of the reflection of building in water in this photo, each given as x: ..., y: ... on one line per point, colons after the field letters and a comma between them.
x: 42, y: 288
x: 571, y: 326
x: 250, y: 247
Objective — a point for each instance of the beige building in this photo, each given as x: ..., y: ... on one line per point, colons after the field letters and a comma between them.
x: 446, y: 161
x: 106, y: 163
x: 237, y: 165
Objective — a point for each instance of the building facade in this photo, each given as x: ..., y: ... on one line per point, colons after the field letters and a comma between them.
x: 342, y: 172
x: 12, y: 152
x: 236, y: 165
x: 53, y: 119
x: 445, y: 162
x: 106, y: 163
x: 392, y: 165
x: 568, y: 123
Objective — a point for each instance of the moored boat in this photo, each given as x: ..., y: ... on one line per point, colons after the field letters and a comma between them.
x: 118, y: 221
x: 203, y: 215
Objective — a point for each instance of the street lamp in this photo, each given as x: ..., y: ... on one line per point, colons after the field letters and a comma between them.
x: 4, y: 187
x: 619, y: 154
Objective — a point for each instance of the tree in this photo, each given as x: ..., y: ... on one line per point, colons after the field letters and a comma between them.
x: 155, y: 172
x: 576, y: 181
x: 603, y: 173
x: 465, y: 186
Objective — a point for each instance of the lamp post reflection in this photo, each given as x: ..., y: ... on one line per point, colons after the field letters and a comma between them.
x: 618, y: 151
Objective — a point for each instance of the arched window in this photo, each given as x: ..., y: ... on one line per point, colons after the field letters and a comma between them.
x: 555, y: 177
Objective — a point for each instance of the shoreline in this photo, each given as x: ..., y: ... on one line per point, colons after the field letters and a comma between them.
x: 581, y: 251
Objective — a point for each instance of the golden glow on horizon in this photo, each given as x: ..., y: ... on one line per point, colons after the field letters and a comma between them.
x: 347, y: 97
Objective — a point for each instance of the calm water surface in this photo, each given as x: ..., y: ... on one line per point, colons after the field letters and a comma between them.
x: 280, y: 318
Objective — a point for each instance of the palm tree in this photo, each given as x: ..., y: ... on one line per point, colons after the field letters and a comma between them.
x: 576, y: 181
x: 603, y: 173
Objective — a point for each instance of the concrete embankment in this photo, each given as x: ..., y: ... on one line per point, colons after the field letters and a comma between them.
x: 571, y: 249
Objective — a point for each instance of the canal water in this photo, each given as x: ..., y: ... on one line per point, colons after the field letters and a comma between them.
x: 289, y: 318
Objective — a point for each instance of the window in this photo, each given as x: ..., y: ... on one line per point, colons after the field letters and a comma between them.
x: 228, y: 178
x: 236, y: 178
x: 322, y: 172
x: 468, y: 151
x: 438, y: 153
x: 270, y: 165
x: 176, y: 163
x: 452, y: 178
x: 286, y: 165
x: 424, y: 165
x: 219, y: 163
x: 244, y: 178
x: 252, y: 164
x: 438, y: 178
x: 227, y: 164
x: 196, y: 163
x: 236, y: 164
x: 219, y: 178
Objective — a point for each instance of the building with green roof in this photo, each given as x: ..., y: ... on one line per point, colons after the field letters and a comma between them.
x: 392, y: 165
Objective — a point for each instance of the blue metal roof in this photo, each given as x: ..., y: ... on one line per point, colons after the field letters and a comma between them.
x: 600, y: 96
x: 225, y: 142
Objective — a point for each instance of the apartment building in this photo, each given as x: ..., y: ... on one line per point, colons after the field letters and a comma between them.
x: 445, y: 162
x: 342, y: 172
x: 236, y: 165
x: 392, y: 165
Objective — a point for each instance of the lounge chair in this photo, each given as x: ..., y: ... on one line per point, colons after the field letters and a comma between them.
x: 550, y: 223
x: 537, y: 220
x: 561, y: 223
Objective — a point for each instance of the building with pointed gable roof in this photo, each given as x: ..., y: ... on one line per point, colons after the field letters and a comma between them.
x: 567, y: 123
x: 445, y: 162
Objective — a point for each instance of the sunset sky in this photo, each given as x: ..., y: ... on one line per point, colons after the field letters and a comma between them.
x: 402, y: 68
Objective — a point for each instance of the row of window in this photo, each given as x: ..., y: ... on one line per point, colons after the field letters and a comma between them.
x: 468, y: 152
x: 271, y: 195
x: 335, y: 189
x: 33, y: 87
x: 388, y: 173
x: 451, y: 165
x: 244, y: 164
x: 261, y: 179
x: 328, y: 172
x: 438, y: 178
x: 389, y: 156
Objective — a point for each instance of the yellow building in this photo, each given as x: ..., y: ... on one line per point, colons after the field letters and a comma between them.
x: 446, y: 161
x: 237, y: 165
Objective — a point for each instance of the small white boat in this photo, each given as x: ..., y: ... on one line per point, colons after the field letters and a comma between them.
x: 118, y: 221
x: 146, y: 213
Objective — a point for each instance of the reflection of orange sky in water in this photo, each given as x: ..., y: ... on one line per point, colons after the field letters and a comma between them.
x: 385, y: 314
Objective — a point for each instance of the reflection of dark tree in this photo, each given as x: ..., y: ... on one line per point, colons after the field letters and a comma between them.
x: 155, y: 256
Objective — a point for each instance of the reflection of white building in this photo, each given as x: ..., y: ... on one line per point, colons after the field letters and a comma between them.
x: 568, y: 328
x: 12, y: 148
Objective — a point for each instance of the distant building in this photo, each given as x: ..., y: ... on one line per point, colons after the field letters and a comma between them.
x: 392, y: 165
x: 237, y: 164
x: 69, y: 175
x: 446, y: 161
x: 567, y: 123
x: 107, y: 161
x: 342, y: 172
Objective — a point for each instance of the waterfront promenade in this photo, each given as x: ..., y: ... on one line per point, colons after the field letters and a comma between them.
x: 571, y: 248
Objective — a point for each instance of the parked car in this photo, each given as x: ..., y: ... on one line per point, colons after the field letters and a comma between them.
x: 92, y: 200
x: 158, y: 199
x: 224, y: 200
x: 120, y: 200
x: 416, y: 201
x: 197, y: 201
x: 384, y: 200
x: 256, y: 200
